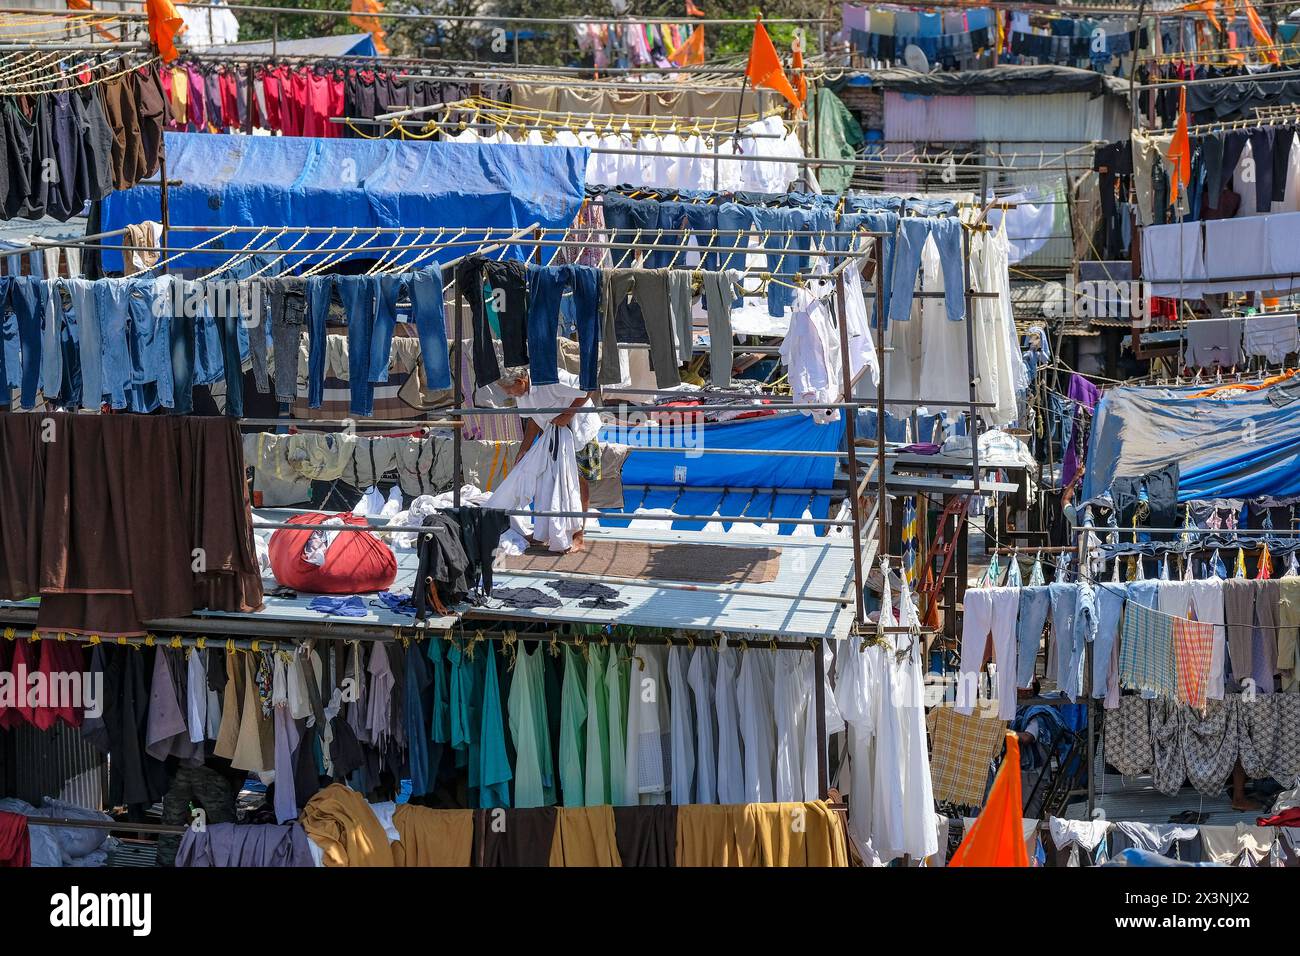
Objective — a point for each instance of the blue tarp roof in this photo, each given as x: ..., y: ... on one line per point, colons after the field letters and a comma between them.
x: 1241, y: 446
x: 229, y: 179
x: 696, y: 469
x: 341, y: 44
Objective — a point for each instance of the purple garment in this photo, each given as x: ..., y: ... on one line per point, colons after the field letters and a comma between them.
x: 287, y: 737
x: 234, y: 844
x: 1082, y: 393
x: 166, y: 732
x: 195, y: 105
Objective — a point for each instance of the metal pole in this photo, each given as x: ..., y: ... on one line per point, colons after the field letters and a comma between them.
x: 970, y: 363
x: 851, y: 440
x: 165, y: 211
x: 882, y: 491
x: 1089, y: 703
x: 458, y: 463
x: 819, y: 701
x: 252, y: 98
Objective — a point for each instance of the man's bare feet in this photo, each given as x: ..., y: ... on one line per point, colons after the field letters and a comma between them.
x: 578, y: 541
x: 1244, y: 804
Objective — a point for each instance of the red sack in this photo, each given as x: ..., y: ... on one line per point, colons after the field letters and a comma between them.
x: 356, y: 562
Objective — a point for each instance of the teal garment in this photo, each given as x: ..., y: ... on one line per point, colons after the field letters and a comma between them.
x: 462, y: 693
x: 494, y: 764
x: 838, y: 137
x: 596, y: 779
x: 530, y: 730
x: 573, y: 737
x: 440, y: 721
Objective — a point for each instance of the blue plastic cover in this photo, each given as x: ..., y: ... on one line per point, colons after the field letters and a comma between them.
x: 1239, y: 446
x: 741, y: 473
x: 230, y: 179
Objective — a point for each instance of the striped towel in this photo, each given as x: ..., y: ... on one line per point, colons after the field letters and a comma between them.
x: 1193, y: 649
x: 1146, y: 651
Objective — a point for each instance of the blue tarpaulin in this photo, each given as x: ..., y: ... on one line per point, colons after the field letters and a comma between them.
x: 1239, y: 446
x: 692, y: 469
x: 228, y: 179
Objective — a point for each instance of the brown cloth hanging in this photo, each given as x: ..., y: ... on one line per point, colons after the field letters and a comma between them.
x: 433, y: 837
x: 122, y: 519
x: 647, y: 836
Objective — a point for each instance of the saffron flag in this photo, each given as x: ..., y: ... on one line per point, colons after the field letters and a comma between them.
x: 800, y: 81
x: 764, y: 69
x: 370, y: 23
x: 997, y: 837
x: 690, y: 53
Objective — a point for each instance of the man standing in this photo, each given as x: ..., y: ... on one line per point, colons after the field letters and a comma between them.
x: 584, y: 425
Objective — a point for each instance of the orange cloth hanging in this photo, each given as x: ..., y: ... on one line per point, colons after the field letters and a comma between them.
x: 1260, y: 32
x: 764, y: 69
x: 165, y: 25
x: 1180, y: 152
x: 997, y: 837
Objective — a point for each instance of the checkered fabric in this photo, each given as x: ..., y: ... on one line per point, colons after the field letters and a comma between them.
x: 1193, y: 648
x: 1146, y: 651
x: 962, y: 748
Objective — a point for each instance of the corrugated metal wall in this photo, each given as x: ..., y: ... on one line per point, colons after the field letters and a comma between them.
x: 51, y: 763
x: 1048, y: 119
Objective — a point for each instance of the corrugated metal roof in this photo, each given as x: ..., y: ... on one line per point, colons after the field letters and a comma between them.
x: 809, y: 567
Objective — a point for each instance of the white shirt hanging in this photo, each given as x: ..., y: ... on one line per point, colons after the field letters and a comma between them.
x: 682, y: 721
x: 731, y: 770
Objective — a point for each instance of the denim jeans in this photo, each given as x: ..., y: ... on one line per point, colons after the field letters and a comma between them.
x: 320, y: 289
x: 81, y: 292
x: 546, y: 285
x: 358, y: 296
x: 1064, y: 600
x: 912, y: 234
x: 182, y: 332
x: 1034, y: 604
x: 1083, y: 633
x: 431, y: 325
x: 626, y: 218
x: 150, y: 346
x: 24, y: 297
x: 777, y: 222
x: 1110, y: 615
x: 111, y: 304
x: 388, y: 289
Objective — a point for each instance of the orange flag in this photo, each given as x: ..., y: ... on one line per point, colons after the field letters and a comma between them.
x: 165, y: 25
x: 1180, y: 151
x: 690, y: 53
x: 997, y: 837
x: 764, y: 68
x: 370, y: 24
x: 692, y: 10
x: 800, y: 81
x: 1260, y: 32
